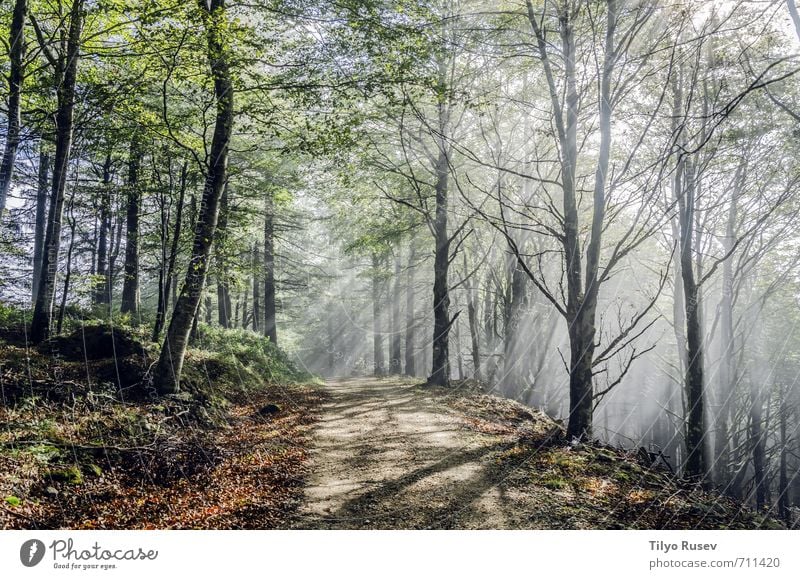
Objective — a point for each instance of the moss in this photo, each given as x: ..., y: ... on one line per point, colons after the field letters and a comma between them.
x: 70, y: 474
x: 605, y: 455
x: 569, y: 460
x: 621, y: 476
x: 554, y: 482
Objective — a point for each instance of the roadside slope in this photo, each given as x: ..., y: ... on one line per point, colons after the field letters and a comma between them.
x: 85, y: 444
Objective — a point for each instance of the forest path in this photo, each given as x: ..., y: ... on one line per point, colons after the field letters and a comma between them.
x: 388, y: 454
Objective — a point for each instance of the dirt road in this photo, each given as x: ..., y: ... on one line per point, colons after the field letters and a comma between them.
x: 389, y: 455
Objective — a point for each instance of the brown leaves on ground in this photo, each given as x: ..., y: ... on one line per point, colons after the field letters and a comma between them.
x: 85, y: 444
x: 503, y: 417
x: 79, y: 457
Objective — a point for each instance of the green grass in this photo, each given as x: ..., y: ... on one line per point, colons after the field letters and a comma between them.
x: 249, y: 357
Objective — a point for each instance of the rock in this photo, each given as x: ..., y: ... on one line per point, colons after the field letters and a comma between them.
x: 51, y: 491
x: 93, y: 469
x: 269, y: 410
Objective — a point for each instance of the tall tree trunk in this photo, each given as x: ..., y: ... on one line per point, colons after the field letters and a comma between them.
x: 194, y: 333
x: 678, y: 306
x: 512, y: 347
x: 161, y: 305
x: 377, y: 336
x: 116, y: 244
x: 223, y: 301
x: 783, y: 471
x: 164, y: 197
x: 459, y: 357
x: 331, y: 347
x: 696, y: 461
x: 101, y: 288
x: 66, y: 74
x: 758, y: 444
x: 684, y: 186
x: 256, y: 289
x: 396, y: 354
x: 93, y: 268
x: 679, y: 328
x: 678, y: 299
x: 223, y: 284
x: 169, y: 273
x: 164, y: 235
x: 494, y: 328
x: 245, y: 300
x: 472, y: 318
x: 270, y: 325
x: 581, y: 303
x: 41, y: 219
x: 579, y: 422
x: 68, y: 273
x: 193, y: 223
x: 170, y: 363
x: 208, y: 308
x: 130, y: 283
x: 440, y: 353
x: 488, y: 333
x: 410, y: 337
x: 426, y: 357
x: 16, y: 44
x: 727, y: 370
x: 581, y: 380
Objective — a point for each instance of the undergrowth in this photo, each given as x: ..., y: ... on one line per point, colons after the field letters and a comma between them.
x: 87, y: 443
x: 592, y: 485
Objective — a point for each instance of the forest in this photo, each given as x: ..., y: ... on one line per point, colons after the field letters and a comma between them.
x: 238, y: 237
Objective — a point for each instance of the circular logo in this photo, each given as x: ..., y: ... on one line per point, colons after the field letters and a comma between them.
x: 31, y: 553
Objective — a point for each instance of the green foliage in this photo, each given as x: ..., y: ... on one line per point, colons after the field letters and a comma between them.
x: 555, y: 482
x: 249, y: 359
x: 11, y: 316
x: 13, y: 501
x: 45, y: 452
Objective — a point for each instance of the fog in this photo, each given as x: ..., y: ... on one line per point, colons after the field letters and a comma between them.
x: 587, y: 207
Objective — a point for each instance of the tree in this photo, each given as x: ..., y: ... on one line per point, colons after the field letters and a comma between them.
x: 583, y: 282
x: 130, y: 287
x: 428, y: 112
x: 700, y: 143
x: 102, y: 285
x: 17, y: 45
x: 64, y: 61
x: 270, y: 323
x: 40, y: 221
x: 166, y: 375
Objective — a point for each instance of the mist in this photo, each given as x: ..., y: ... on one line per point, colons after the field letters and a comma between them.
x: 589, y: 208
